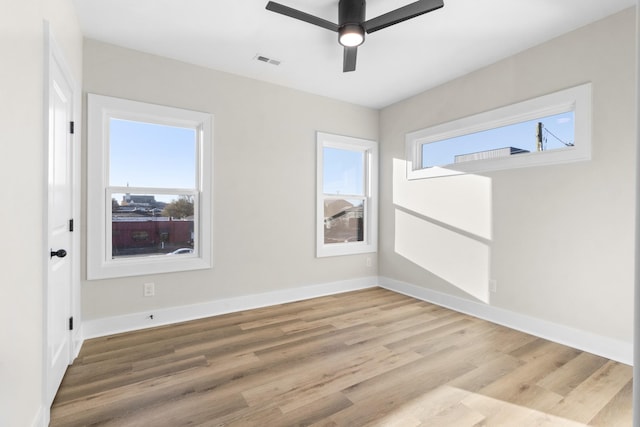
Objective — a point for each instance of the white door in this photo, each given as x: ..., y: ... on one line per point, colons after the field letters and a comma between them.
x: 60, y: 209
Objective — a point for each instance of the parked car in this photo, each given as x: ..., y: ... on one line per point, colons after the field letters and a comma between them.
x: 181, y: 251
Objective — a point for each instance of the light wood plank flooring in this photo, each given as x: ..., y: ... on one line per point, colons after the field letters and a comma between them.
x: 366, y: 358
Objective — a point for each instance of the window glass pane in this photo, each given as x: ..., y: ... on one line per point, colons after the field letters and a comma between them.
x: 544, y: 134
x: 343, y: 220
x: 151, y: 224
x: 151, y: 155
x: 343, y: 171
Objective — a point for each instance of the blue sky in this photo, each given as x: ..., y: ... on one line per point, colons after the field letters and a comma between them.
x: 150, y: 155
x: 520, y: 135
x: 343, y: 171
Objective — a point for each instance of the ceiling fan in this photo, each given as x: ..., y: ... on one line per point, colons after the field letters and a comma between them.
x: 352, y: 25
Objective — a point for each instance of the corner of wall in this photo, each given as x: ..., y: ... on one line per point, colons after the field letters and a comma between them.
x: 610, y: 348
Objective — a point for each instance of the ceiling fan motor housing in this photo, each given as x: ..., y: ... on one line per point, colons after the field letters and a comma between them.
x: 351, y: 12
x: 351, y: 15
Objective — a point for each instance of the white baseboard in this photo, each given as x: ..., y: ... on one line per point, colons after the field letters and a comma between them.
x: 131, y: 322
x: 42, y: 418
x: 610, y: 348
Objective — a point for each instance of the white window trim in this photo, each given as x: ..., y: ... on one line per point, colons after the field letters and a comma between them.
x: 576, y: 99
x: 100, y: 264
x: 370, y: 242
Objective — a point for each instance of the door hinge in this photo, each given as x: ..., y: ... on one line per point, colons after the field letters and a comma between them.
x: 72, y: 127
x: 71, y: 224
x: 71, y: 323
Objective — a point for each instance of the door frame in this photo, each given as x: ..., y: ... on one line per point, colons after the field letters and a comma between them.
x: 53, y: 57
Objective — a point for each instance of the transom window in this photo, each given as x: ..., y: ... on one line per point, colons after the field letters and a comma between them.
x: 532, y: 136
x: 551, y: 129
x: 149, y: 188
x: 347, y: 195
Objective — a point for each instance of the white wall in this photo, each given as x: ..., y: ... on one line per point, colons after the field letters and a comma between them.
x: 561, y: 238
x: 21, y: 172
x: 264, y: 180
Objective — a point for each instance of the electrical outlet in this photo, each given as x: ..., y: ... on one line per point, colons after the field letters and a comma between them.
x: 149, y: 289
x: 493, y: 285
x: 368, y: 261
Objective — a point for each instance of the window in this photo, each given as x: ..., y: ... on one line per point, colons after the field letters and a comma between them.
x: 347, y: 195
x: 149, y: 188
x: 551, y: 129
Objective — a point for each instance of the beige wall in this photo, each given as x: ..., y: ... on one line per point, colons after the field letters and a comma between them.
x: 264, y: 180
x: 21, y: 171
x: 561, y: 239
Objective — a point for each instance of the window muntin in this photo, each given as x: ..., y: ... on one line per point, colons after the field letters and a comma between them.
x: 431, y: 152
x: 149, y: 180
x: 347, y: 195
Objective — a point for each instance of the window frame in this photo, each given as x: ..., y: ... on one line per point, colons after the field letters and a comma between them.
x: 576, y: 99
x: 370, y: 197
x: 100, y: 262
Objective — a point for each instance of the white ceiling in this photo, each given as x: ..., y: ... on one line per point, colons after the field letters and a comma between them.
x: 393, y: 64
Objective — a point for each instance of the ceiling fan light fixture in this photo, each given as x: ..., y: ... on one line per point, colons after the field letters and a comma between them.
x: 352, y: 22
x: 351, y: 35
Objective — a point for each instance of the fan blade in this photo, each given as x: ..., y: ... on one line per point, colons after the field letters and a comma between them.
x: 402, y: 14
x: 302, y: 16
x: 349, y: 63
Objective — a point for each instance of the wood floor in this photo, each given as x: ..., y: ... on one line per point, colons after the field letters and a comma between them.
x: 370, y: 357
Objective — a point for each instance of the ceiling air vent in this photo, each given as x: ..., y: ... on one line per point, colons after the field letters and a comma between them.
x: 268, y: 60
